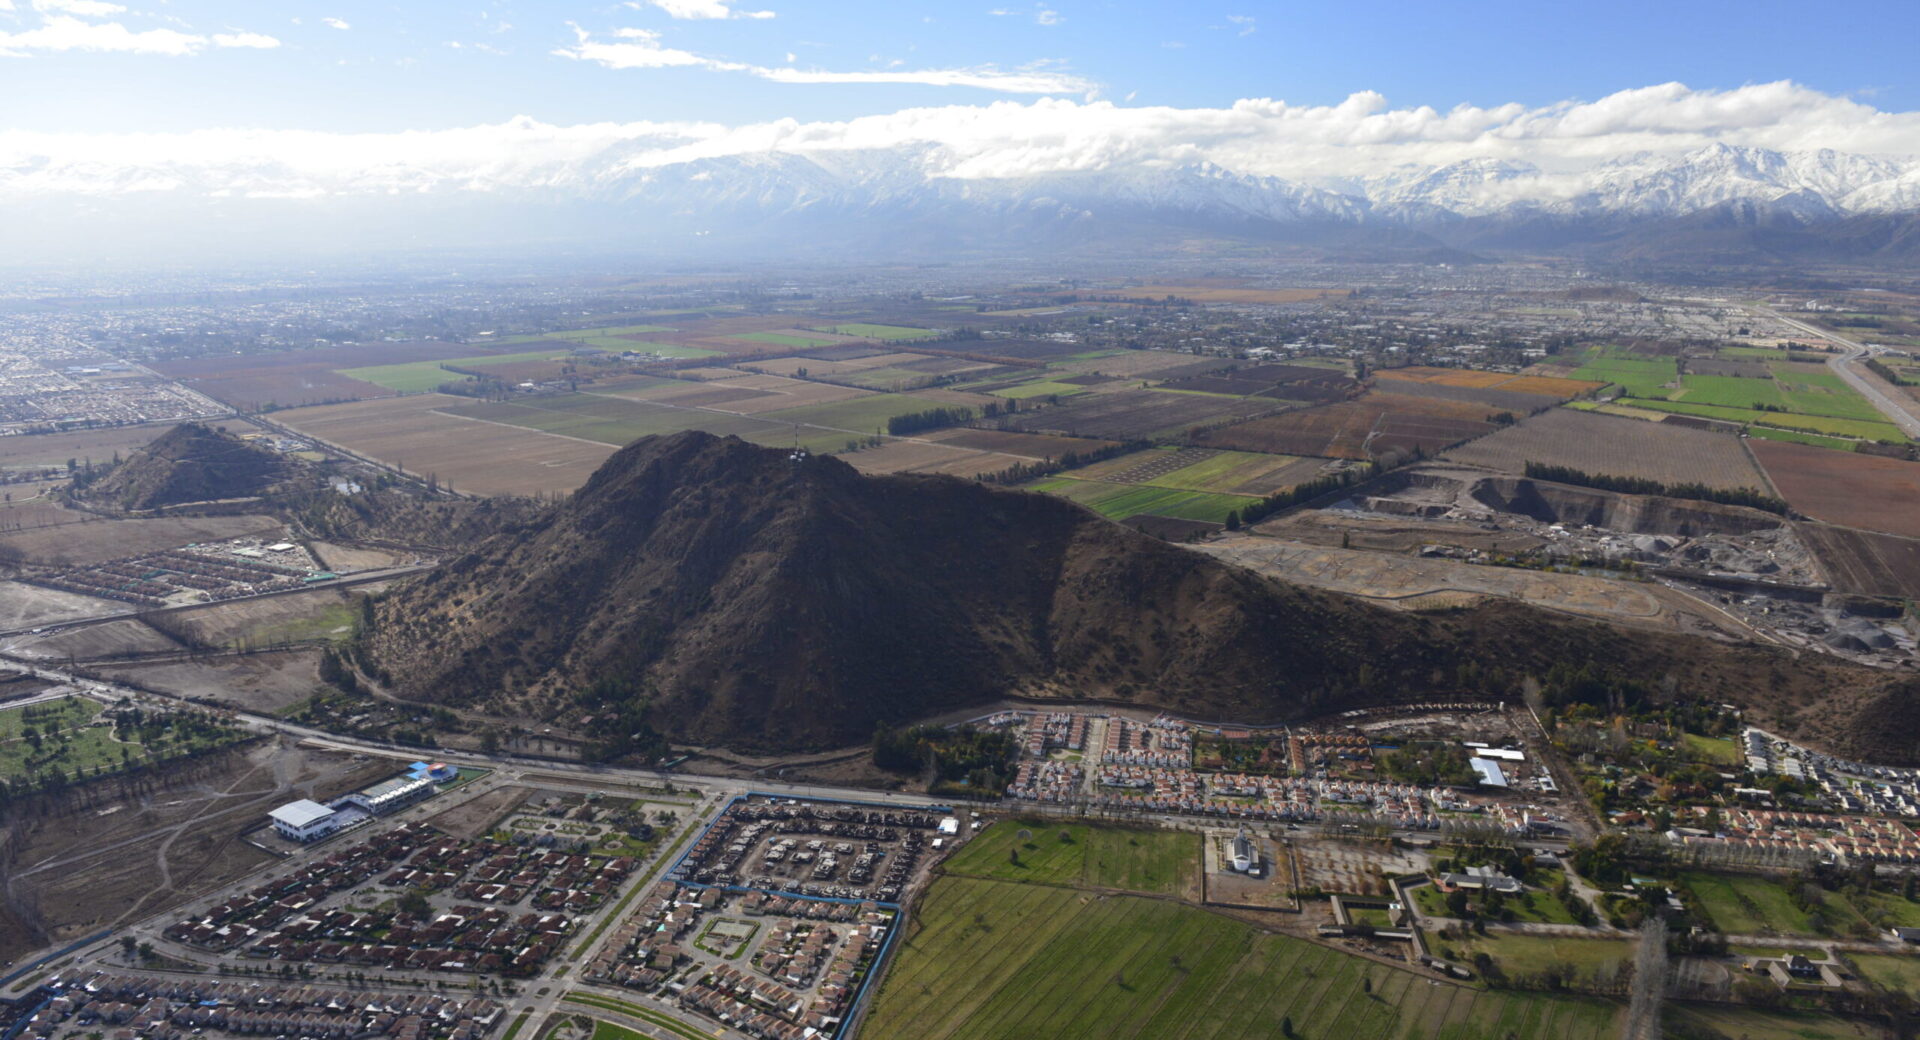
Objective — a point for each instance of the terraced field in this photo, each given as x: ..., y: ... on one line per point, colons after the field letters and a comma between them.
x: 992, y: 959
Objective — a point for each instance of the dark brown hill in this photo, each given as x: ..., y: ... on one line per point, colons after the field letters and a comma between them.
x: 761, y: 602
x: 189, y: 463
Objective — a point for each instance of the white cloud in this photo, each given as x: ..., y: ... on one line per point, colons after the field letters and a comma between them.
x: 1247, y: 23
x: 1048, y: 16
x: 699, y: 9
x: 642, y: 49
x: 252, y: 40
x: 337, y: 23
x: 59, y: 32
x: 1315, y: 144
x: 83, y: 8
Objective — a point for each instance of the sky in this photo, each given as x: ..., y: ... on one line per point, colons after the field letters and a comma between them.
x: 128, y: 96
x: 354, y: 66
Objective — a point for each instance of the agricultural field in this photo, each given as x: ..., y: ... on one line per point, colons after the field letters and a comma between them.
x: 1846, y: 488
x: 1083, y: 856
x: 992, y: 959
x: 41, y: 451
x: 1752, y: 1023
x: 1605, y: 444
x: 1744, y: 905
x: 417, y: 376
x: 1638, y: 374
x: 1129, y: 364
x: 1121, y: 501
x: 1029, y: 445
x: 1136, y: 414
x: 1815, y: 424
x: 783, y: 339
x: 96, y: 540
x: 868, y: 330
x: 1863, y: 562
x: 1370, y: 426
x: 1516, y: 954
x: 1204, y: 469
x: 486, y: 458
x: 301, y: 377
x: 915, y: 456
x: 1550, y: 386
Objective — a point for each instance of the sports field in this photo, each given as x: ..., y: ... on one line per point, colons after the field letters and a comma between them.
x: 1081, y: 856
x: 992, y: 959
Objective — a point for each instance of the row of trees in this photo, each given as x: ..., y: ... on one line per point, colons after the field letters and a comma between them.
x: 931, y: 419
x: 1748, y: 497
x: 1292, y: 496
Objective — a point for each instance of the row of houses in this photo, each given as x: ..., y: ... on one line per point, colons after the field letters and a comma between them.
x: 170, y: 1009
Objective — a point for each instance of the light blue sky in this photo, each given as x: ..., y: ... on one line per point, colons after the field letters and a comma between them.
x: 395, y: 66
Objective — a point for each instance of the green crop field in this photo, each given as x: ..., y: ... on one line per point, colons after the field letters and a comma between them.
x: 418, y: 376
x: 1638, y: 374
x: 1119, y: 501
x: 993, y: 959
x: 782, y: 340
x: 1796, y: 437
x: 1137, y: 860
x: 861, y: 414
x: 870, y: 331
x: 1754, y: 906
x: 609, y: 420
x: 1809, y: 423
x: 1223, y: 472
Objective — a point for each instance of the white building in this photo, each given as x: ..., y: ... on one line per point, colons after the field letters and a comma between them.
x: 1246, y: 858
x: 304, y: 820
x: 391, y: 795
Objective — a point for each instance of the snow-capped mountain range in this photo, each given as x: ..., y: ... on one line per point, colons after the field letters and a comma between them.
x: 1722, y: 199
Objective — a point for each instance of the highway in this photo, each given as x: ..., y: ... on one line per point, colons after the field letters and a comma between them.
x: 1895, y: 411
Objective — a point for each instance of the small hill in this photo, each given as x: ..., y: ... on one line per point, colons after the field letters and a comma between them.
x: 189, y: 463
x: 749, y: 599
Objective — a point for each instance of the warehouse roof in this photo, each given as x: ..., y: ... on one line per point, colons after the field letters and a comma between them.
x: 303, y: 813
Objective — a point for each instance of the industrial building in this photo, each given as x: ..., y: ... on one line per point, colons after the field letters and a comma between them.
x: 391, y: 795
x: 304, y: 820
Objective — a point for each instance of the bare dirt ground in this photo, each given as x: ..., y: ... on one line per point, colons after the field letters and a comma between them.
x: 345, y: 559
x: 1392, y: 534
x: 114, y: 638
x: 1393, y: 579
x: 472, y: 818
x: 99, y: 540
x: 265, y: 620
x: 139, y: 848
x: 262, y: 682
x: 30, y: 606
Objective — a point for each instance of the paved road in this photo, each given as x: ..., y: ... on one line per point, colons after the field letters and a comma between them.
x: 1895, y: 411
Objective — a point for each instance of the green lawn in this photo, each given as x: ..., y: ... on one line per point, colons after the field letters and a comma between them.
x: 37, y: 739
x: 1741, y: 905
x: 1638, y: 374
x: 609, y: 1031
x: 1895, y: 971
x: 870, y: 331
x: 1717, y: 750
x: 1517, y: 954
x: 989, y: 959
x: 1135, y: 859
x: 418, y: 376
x: 334, y: 622
x: 1119, y: 501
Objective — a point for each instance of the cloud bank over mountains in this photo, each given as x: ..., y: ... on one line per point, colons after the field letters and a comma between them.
x: 1772, y: 169
x: 1544, y: 154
